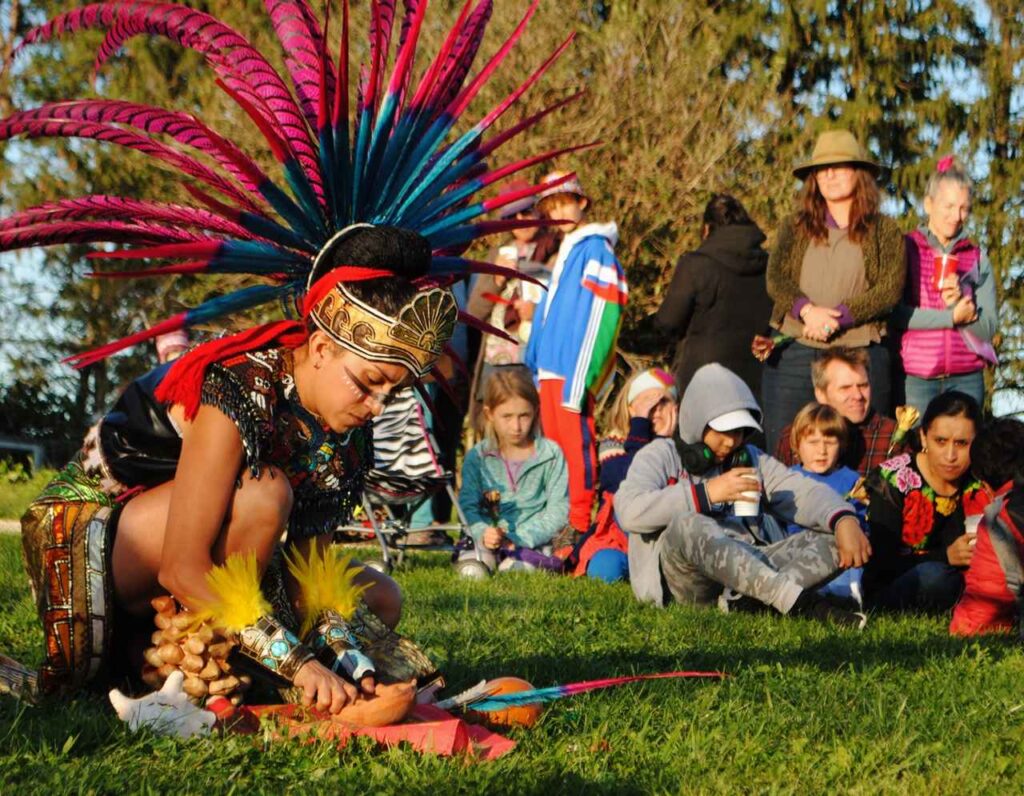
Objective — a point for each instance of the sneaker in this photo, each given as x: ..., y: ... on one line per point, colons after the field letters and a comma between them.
x: 732, y: 602
x: 812, y: 605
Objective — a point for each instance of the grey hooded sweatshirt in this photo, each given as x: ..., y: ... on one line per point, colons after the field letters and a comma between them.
x: 657, y: 490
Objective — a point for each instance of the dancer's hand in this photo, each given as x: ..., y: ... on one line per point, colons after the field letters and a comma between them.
x: 323, y: 689
x: 854, y: 547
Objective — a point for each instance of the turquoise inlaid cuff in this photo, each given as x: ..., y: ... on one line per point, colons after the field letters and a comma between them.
x: 274, y: 647
x: 337, y: 648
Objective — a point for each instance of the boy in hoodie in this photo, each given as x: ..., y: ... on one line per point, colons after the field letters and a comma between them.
x: 686, y: 541
x: 575, y: 328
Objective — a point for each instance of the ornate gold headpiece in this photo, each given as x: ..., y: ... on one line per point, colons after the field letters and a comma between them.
x: 415, y: 337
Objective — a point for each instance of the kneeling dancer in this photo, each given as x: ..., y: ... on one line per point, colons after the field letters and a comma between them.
x: 702, y: 512
x: 186, y: 487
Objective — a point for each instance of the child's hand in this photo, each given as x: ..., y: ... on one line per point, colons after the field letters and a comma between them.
x: 493, y: 537
x: 960, y: 553
x: 731, y: 485
x: 643, y: 405
x: 524, y: 308
x: 854, y: 547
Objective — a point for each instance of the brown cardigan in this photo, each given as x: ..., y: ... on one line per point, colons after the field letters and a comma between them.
x: 884, y: 269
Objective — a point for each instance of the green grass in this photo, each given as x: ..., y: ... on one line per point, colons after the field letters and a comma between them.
x: 16, y: 495
x: 899, y: 708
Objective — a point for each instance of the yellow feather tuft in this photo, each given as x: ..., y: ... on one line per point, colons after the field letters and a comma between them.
x: 326, y: 582
x: 238, y: 601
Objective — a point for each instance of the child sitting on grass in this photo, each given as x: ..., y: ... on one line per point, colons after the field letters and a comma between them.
x: 645, y: 408
x: 694, y: 510
x: 818, y: 436
x: 992, y: 584
x: 514, y: 483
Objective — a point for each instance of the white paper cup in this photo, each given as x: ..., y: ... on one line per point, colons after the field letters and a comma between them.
x: 509, y: 253
x: 751, y: 505
x: 971, y: 523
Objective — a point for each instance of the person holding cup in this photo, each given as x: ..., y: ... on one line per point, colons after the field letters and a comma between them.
x: 699, y: 510
x: 948, y: 315
x: 917, y: 508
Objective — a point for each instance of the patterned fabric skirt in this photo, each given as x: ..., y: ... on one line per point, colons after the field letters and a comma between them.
x: 67, y: 535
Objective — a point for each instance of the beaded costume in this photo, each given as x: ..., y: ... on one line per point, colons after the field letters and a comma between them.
x: 395, y: 163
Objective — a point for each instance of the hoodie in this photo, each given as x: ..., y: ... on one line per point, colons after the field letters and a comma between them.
x: 576, y: 323
x: 657, y: 490
x: 716, y: 302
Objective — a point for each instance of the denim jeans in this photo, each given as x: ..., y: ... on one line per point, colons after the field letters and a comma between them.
x: 930, y: 586
x: 920, y: 392
x: 786, y: 386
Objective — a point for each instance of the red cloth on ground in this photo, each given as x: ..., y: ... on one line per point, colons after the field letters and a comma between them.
x: 987, y: 605
x: 574, y: 433
x: 428, y: 730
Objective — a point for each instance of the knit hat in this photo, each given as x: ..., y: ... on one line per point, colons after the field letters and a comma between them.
x: 652, y: 379
x: 833, y: 148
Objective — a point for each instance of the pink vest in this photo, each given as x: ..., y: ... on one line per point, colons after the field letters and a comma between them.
x: 931, y: 353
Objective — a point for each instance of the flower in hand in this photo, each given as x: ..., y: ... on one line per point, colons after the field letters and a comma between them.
x: 762, y: 346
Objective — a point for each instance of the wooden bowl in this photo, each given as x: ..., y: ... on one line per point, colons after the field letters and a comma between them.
x: 389, y: 705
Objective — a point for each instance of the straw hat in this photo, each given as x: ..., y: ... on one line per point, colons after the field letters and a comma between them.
x: 834, y: 147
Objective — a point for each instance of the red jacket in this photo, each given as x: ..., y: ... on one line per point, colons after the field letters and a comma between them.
x: 988, y: 603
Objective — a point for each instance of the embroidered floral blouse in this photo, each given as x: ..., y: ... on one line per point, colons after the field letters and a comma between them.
x: 909, y: 521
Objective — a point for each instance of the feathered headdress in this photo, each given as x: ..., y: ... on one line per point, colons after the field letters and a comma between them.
x: 394, y: 163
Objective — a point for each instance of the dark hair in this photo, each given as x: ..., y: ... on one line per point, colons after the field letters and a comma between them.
x: 724, y: 210
x: 811, y: 215
x: 997, y: 455
x: 405, y: 253
x: 950, y: 404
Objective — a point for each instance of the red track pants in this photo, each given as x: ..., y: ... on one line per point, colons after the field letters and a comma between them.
x: 574, y: 434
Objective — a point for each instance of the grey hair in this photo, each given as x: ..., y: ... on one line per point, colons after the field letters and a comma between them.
x: 955, y: 173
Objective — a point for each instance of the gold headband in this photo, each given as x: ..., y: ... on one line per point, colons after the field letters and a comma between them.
x: 415, y: 337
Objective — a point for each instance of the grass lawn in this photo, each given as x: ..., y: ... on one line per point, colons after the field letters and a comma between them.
x: 898, y: 708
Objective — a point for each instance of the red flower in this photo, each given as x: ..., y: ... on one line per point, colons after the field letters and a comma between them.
x: 918, y: 516
x: 975, y: 501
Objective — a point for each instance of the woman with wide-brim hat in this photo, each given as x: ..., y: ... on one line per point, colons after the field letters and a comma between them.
x: 835, y: 274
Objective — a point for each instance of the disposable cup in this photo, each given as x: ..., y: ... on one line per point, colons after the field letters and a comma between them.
x: 750, y: 506
x: 971, y: 523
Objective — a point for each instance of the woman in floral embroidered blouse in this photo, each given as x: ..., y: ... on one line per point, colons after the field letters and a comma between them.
x: 918, y: 502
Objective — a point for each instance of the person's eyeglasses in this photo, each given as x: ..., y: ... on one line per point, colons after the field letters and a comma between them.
x: 382, y: 399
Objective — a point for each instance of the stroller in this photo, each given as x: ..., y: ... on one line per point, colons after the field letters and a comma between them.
x: 406, y: 475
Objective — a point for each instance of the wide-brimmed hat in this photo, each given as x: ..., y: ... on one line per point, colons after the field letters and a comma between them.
x: 834, y: 147
x: 571, y: 185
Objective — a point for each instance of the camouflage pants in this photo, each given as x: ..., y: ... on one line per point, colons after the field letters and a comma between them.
x: 700, y: 555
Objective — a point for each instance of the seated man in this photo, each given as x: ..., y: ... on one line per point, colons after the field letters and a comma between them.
x: 840, y: 377
x: 696, y: 509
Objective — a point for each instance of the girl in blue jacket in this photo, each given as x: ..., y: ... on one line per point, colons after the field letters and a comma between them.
x: 514, y: 484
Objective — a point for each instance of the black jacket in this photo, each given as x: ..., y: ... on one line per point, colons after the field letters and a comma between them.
x: 716, y: 303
